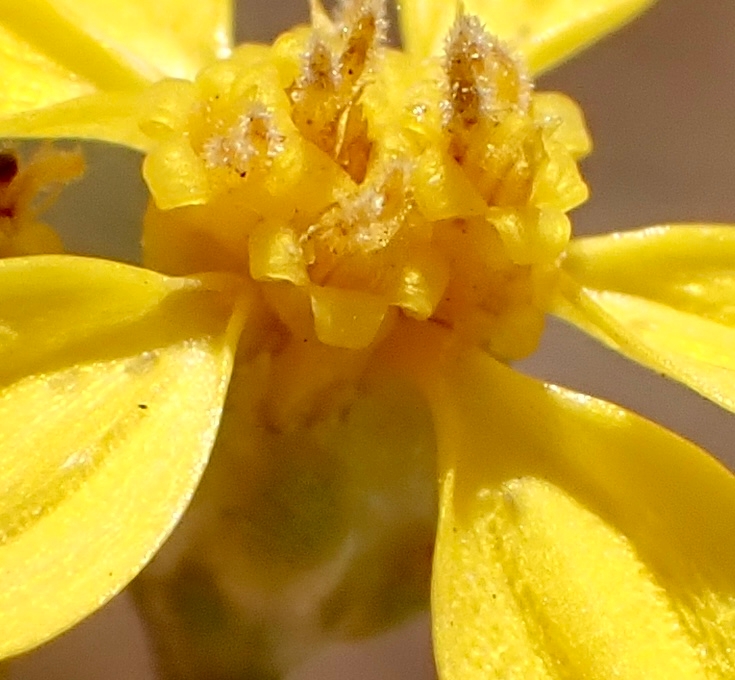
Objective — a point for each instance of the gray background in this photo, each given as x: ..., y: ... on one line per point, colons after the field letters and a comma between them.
x: 660, y: 102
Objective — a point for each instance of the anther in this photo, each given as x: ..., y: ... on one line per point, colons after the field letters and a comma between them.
x: 252, y: 140
x: 484, y: 78
x: 315, y: 101
x: 363, y: 28
x: 359, y: 224
x: 325, y: 97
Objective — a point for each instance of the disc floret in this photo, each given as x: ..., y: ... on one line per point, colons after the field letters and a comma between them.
x: 379, y: 186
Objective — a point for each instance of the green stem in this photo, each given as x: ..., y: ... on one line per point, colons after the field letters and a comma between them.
x: 301, y: 534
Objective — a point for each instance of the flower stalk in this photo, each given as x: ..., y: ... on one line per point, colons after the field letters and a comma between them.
x: 309, y: 527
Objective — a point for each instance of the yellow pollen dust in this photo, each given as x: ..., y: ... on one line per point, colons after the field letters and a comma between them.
x: 358, y: 186
x: 26, y: 190
x: 251, y: 141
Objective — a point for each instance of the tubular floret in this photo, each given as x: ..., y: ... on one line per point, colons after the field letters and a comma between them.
x: 380, y: 186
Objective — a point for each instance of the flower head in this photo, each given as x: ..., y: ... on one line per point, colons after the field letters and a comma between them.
x: 343, y: 209
x: 380, y: 185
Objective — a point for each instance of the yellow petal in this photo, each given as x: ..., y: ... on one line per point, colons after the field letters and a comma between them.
x: 576, y: 540
x: 544, y: 31
x: 103, y: 116
x: 663, y: 296
x: 52, y: 51
x: 112, y: 380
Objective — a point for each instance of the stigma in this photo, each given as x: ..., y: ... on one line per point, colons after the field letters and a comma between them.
x: 357, y: 186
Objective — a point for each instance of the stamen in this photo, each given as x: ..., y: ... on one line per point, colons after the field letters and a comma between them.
x: 325, y: 97
x: 315, y: 97
x: 363, y: 27
x: 321, y: 69
x: 377, y: 213
x: 353, y: 144
x: 253, y: 140
x: 359, y: 225
x: 486, y: 115
x: 484, y: 79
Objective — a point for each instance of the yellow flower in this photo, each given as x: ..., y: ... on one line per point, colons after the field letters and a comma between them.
x: 360, y: 211
x: 21, y: 232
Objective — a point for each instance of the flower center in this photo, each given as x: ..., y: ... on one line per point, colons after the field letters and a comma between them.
x: 358, y: 185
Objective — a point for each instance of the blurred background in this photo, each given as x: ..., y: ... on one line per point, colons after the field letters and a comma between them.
x: 660, y: 104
